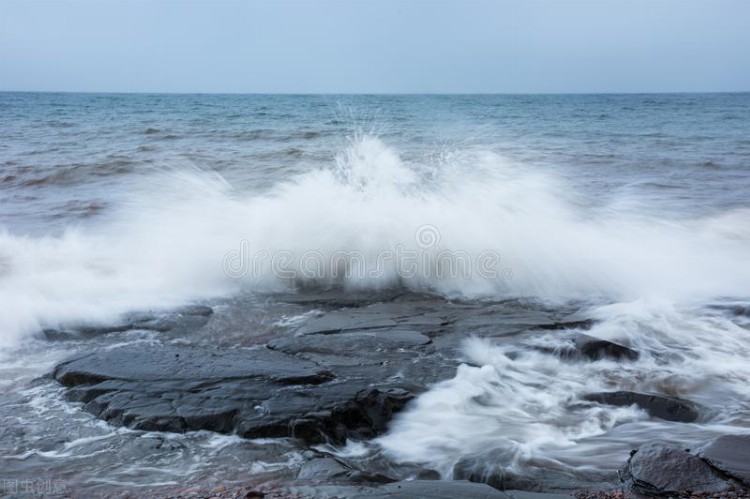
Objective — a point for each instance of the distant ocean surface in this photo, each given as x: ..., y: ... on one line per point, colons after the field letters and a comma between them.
x: 636, y: 207
x: 69, y: 159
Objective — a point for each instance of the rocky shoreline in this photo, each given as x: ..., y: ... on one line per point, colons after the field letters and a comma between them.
x: 343, y: 372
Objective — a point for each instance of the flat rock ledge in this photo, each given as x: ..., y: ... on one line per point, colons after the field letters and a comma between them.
x: 256, y: 393
x: 340, y: 374
x: 344, y: 372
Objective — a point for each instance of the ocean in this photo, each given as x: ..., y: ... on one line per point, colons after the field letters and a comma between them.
x: 630, y: 210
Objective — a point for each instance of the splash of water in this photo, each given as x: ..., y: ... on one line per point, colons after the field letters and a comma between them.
x: 169, y: 243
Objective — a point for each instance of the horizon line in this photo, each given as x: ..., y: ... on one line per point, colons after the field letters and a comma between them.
x: 118, y: 92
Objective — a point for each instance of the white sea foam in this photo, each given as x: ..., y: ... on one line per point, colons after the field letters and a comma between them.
x: 170, y: 242
x: 528, y: 403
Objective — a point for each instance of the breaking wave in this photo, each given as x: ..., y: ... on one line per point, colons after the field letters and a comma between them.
x: 473, y: 225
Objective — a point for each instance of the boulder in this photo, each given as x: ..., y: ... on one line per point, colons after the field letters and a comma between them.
x: 585, y: 347
x: 658, y: 470
x: 730, y: 454
x: 597, y: 349
x: 657, y: 406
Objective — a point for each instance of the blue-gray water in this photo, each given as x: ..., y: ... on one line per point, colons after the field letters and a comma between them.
x: 66, y: 157
x: 635, y: 205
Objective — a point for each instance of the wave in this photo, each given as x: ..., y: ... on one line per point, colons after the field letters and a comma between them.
x: 521, y: 411
x: 471, y: 225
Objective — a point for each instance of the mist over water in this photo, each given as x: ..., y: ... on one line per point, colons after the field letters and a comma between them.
x: 630, y: 209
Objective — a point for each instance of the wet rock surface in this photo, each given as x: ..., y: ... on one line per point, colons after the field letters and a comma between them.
x: 491, y: 468
x: 186, y: 318
x: 584, y: 347
x: 597, y: 349
x: 253, y: 392
x: 412, y: 489
x: 340, y: 373
x: 337, y: 369
x: 658, y: 406
x: 660, y: 470
x: 329, y: 469
x: 729, y: 454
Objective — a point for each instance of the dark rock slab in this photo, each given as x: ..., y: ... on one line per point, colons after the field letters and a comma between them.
x: 414, y: 489
x: 151, y: 363
x: 491, y: 468
x: 332, y: 412
x: 730, y: 454
x: 255, y: 393
x: 662, y: 471
x: 87, y: 331
x: 324, y: 468
x: 504, y: 469
x: 657, y: 406
x: 522, y: 494
x: 189, y: 317
x: 439, y: 489
x: 576, y: 320
x: 354, y: 342
x: 345, y: 320
x: 195, y: 310
x: 501, y: 319
x: 596, y: 349
x: 583, y: 346
x: 328, y: 469
x: 336, y: 298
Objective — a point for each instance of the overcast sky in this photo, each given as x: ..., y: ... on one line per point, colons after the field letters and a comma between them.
x: 450, y: 46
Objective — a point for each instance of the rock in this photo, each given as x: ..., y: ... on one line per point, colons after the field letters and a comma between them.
x: 427, y: 474
x: 414, y: 489
x: 494, y: 468
x: 730, y: 454
x: 335, y: 298
x: 657, y: 470
x: 255, y: 393
x: 573, y: 321
x: 86, y: 331
x: 585, y: 347
x: 323, y: 469
x: 169, y: 364
x: 657, y: 406
x: 596, y: 349
x: 522, y: 494
x: 333, y: 412
x: 195, y: 310
x: 327, y: 469
x: 588, y: 347
x: 355, y: 342
x: 190, y: 317
x: 345, y: 320
x: 439, y: 489
x: 500, y: 320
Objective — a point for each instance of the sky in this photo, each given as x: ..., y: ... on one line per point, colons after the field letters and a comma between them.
x: 369, y: 46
